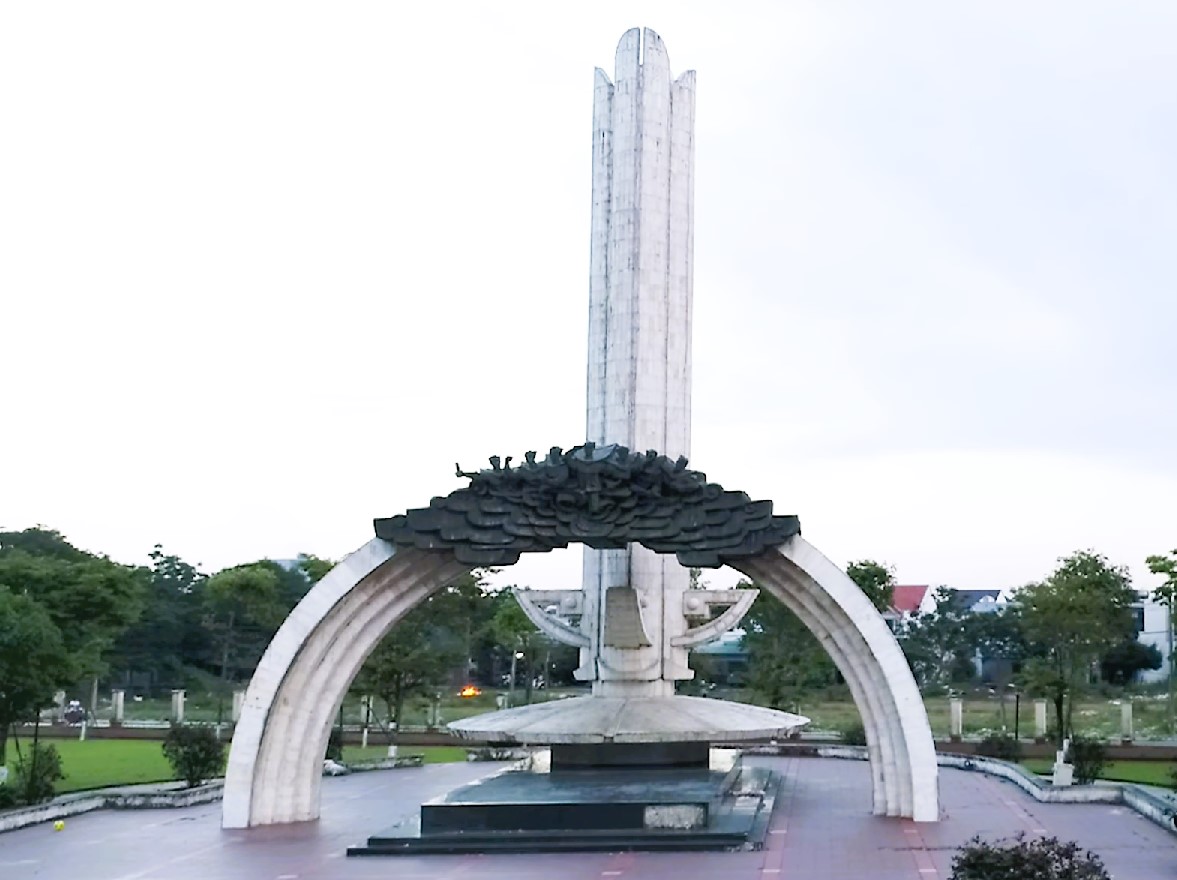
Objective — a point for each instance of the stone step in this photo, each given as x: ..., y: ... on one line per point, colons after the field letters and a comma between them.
x: 553, y: 841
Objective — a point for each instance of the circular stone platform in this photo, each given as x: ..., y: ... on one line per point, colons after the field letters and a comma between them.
x: 628, y: 720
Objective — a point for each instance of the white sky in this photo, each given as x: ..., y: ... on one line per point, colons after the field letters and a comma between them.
x: 267, y: 271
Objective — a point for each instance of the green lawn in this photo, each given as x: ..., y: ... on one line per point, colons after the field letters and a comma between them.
x: 105, y: 762
x: 99, y: 763
x: 1144, y: 772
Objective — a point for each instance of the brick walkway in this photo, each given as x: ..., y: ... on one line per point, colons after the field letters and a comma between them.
x: 821, y: 830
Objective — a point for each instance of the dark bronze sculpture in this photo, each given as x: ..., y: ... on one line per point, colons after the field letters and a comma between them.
x: 602, y: 496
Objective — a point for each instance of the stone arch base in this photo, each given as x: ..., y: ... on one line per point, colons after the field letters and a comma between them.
x: 899, y: 739
x: 276, y: 758
x: 275, y: 762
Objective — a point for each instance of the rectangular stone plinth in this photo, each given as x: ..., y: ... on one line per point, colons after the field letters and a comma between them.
x: 520, y: 800
x: 600, y: 755
x: 582, y: 810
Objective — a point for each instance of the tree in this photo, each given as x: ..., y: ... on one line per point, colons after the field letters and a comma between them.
x: 785, y: 660
x: 424, y: 648
x: 1122, y: 662
x: 34, y: 661
x: 168, y: 638
x: 313, y: 568
x: 937, y: 644
x: 1071, y: 619
x: 515, y: 632
x: 90, y: 599
x: 243, y: 607
x: 1167, y: 593
x: 997, y: 636
x: 874, y: 579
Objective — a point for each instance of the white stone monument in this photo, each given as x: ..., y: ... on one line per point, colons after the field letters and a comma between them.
x: 639, y: 370
x: 633, y: 618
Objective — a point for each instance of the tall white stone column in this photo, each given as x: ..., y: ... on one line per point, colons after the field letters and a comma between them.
x: 117, y: 706
x: 639, y: 372
x: 178, y: 706
x: 1040, y: 720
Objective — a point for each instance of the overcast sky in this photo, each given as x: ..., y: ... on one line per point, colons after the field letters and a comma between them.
x: 267, y: 271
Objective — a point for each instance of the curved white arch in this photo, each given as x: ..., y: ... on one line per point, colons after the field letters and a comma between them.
x: 275, y: 762
x: 276, y: 758
x: 899, y: 738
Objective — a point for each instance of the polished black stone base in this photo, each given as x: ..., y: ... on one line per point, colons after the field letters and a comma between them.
x: 636, y: 808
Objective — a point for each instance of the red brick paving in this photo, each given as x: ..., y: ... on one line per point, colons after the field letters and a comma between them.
x: 821, y: 830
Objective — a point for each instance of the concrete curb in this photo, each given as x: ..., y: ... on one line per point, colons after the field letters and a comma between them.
x: 126, y: 798
x: 148, y: 797
x: 1156, y: 809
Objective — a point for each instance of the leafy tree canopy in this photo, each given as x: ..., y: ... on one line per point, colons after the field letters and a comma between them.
x: 90, y: 599
x: 1070, y: 620
x: 785, y: 660
x: 426, y: 647
x: 874, y: 579
x: 34, y: 660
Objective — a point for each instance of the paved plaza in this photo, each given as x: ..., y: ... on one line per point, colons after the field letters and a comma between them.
x: 820, y: 830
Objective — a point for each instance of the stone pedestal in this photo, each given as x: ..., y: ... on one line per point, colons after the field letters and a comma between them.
x: 238, y: 702
x: 1126, y: 732
x: 1063, y: 773
x: 1040, y: 721
x: 177, y: 707
x: 720, y: 805
x: 117, y: 707
x: 956, y: 719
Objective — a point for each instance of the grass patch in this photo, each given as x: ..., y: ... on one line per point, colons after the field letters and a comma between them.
x: 1142, y: 772
x: 98, y: 763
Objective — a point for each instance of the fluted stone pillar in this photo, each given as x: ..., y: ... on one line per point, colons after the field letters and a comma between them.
x: 639, y: 374
x: 177, y: 707
x: 117, y: 706
x: 956, y: 719
x: 1040, y: 720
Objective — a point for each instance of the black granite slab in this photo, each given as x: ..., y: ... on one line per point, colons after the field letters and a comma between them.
x: 521, y: 811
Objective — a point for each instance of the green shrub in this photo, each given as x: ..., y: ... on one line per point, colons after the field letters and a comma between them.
x: 854, y: 734
x: 194, y: 752
x: 7, y: 797
x: 1000, y: 745
x: 1088, y: 755
x: 1043, y: 858
x: 37, y: 772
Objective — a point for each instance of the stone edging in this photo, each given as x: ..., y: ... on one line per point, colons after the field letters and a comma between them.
x: 111, y: 799
x: 148, y: 797
x: 1136, y: 797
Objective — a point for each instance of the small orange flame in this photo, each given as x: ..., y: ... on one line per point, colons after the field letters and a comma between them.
x: 469, y: 691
